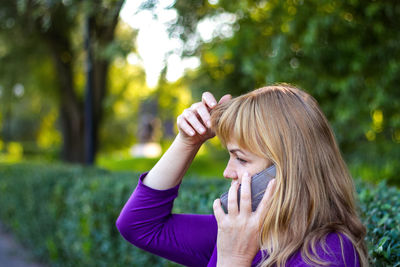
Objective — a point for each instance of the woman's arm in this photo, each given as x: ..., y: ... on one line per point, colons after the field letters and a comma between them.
x: 146, y: 222
x: 172, y: 166
x: 194, y: 129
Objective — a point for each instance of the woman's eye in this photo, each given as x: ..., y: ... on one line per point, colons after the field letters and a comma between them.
x: 241, y: 160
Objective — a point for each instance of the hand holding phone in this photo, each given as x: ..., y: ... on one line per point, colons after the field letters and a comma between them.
x: 259, y: 183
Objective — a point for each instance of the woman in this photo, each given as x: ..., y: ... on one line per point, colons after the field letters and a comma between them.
x: 307, y: 216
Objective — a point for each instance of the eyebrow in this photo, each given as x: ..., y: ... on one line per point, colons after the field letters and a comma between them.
x: 233, y: 151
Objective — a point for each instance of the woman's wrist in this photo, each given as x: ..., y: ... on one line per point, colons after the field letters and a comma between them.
x: 172, y: 166
x: 186, y: 145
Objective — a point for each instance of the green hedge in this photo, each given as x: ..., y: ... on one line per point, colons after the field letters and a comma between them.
x: 380, y: 207
x: 66, y: 214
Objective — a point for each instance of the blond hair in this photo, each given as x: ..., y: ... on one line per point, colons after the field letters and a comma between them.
x: 314, y: 193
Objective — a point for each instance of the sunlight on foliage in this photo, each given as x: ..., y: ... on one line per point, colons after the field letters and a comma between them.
x: 216, y: 142
x: 370, y: 135
x: 184, y: 99
x: 377, y: 119
x: 48, y: 136
x: 13, y: 152
x: 127, y: 90
x: 377, y: 127
x: 128, y: 81
x: 173, y: 99
x: 211, y: 59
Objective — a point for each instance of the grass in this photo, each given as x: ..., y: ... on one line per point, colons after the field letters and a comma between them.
x: 201, y: 166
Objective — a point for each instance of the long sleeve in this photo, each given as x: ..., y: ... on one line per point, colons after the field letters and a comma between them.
x: 146, y: 221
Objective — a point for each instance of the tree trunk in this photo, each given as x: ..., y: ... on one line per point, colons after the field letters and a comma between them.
x: 104, y: 33
x: 71, y: 107
x: 100, y: 70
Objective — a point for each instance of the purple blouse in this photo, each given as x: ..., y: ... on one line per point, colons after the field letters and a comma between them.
x: 146, y: 221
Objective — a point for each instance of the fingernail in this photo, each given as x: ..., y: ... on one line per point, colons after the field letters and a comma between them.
x: 202, y: 130
x: 208, y: 123
x: 191, y: 133
x: 213, y: 104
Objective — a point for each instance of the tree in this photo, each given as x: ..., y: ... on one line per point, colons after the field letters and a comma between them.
x: 54, y: 24
x: 345, y: 53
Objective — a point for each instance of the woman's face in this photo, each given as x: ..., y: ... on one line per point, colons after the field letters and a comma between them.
x: 241, y: 161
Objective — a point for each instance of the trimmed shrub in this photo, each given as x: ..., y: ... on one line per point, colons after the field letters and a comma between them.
x: 66, y: 214
x: 380, y: 209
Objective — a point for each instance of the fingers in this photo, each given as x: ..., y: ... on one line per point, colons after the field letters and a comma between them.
x: 203, y: 112
x: 262, y: 207
x: 245, y: 194
x: 218, y: 211
x: 185, y: 127
x: 232, y: 198
x: 197, y: 119
x: 209, y: 100
x: 225, y: 98
x: 191, y: 118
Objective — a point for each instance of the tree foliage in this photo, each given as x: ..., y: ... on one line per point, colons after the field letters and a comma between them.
x: 345, y: 53
x: 51, y: 32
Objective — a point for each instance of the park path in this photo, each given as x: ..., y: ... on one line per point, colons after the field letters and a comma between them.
x: 13, y: 254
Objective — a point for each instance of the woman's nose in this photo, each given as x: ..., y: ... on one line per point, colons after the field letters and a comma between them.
x: 229, y: 173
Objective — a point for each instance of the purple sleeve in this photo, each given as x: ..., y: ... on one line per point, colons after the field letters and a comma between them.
x: 146, y: 221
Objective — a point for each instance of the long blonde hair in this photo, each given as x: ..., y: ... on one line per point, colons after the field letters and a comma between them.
x: 314, y: 193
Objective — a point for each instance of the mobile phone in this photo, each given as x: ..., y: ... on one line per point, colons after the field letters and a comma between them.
x: 259, y: 183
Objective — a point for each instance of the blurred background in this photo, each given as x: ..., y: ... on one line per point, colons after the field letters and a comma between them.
x: 100, y: 83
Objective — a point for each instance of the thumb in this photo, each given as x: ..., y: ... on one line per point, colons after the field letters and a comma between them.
x: 225, y: 98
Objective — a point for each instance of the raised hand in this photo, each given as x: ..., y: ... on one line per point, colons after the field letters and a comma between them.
x: 194, y: 123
